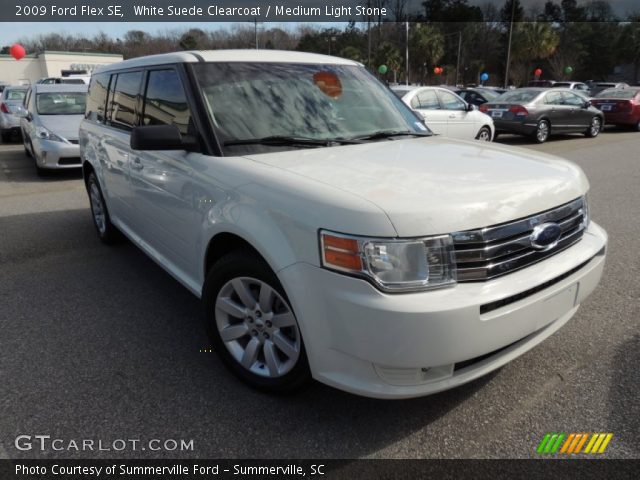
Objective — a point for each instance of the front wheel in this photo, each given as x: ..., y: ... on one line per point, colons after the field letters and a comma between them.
x: 638, y: 126
x: 484, y: 135
x: 252, y: 325
x: 595, y: 127
x: 543, y: 129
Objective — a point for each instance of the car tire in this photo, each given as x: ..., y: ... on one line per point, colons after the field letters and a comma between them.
x: 6, y: 137
x: 26, y: 150
x: 542, y: 132
x: 241, y: 297
x: 107, y: 232
x: 594, y: 128
x: 638, y: 126
x: 484, y: 135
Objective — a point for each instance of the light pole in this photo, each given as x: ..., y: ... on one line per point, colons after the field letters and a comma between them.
x: 506, y: 71
x: 406, y: 54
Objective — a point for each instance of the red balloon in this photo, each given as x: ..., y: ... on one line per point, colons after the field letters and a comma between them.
x: 537, y: 72
x: 17, y: 51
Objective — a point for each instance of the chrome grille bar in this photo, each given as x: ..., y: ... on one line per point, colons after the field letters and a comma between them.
x: 483, y: 254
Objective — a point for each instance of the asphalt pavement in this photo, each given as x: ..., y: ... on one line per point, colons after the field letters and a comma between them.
x: 98, y: 342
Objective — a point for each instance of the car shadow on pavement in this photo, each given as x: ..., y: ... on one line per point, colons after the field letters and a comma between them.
x: 100, y: 342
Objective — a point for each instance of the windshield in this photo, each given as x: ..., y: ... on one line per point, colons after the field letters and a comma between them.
x: 517, y: 96
x: 617, y: 93
x: 61, y: 103
x: 251, y: 101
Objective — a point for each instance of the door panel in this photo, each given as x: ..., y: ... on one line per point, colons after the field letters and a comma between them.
x: 459, y: 123
x: 162, y: 181
x: 122, y: 107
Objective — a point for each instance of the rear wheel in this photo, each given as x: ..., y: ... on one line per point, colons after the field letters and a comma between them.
x: 107, y: 232
x: 6, y: 137
x: 484, y: 135
x: 252, y: 325
x: 594, y: 128
x: 638, y: 126
x: 543, y: 129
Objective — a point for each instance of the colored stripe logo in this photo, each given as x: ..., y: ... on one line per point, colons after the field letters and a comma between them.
x: 574, y: 443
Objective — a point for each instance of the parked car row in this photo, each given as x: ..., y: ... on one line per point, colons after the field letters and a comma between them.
x: 483, y: 114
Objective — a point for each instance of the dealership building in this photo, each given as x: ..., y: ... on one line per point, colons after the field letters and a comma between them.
x: 33, y: 67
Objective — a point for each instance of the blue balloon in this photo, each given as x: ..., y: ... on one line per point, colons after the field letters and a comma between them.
x: 484, y: 77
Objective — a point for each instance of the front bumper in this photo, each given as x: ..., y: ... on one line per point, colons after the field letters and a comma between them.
x: 56, y: 155
x: 382, y: 345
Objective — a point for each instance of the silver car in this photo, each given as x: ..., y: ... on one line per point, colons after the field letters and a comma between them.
x: 50, y: 123
x: 10, y: 105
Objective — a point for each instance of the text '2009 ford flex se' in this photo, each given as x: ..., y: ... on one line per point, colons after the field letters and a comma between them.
x: 328, y: 233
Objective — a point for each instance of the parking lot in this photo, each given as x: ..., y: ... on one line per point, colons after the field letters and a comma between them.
x: 98, y: 342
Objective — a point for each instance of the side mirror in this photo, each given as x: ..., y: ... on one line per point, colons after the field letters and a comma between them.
x: 471, y: 107
x: 587, y: 104
x: 159, y: 137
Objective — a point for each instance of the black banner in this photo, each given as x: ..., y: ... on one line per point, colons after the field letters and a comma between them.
x: 318, y: 469
x: 200, y: 11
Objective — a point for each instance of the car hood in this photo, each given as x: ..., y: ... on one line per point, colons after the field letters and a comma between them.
x: 436, y: 185
x: 65, y: 126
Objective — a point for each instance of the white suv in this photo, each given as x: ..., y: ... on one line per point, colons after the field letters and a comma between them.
x: 327, y: 232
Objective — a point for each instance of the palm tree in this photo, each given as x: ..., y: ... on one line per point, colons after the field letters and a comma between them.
x: 534, y: 41
x: 426, y: 47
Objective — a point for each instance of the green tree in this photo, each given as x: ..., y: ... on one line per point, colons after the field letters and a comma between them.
x: 426, y: 49
x: 533, y: 41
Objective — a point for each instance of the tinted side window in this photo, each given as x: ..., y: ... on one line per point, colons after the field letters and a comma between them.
x: 97, y: 99
x: 554, y: 98
x: 450, y: 101
x: 123, y: 97
x: 571, y: 99
x: 165, y: 101
x: 428, y: 100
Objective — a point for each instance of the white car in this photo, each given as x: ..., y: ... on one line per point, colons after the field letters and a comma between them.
x: 50, y: 122
x: 446, y: 113
x: 327, y: 232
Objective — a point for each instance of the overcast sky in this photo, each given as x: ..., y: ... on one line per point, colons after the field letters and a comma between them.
x: 12, y: 32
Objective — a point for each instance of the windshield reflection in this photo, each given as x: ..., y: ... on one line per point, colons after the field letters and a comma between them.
x: 253, y: 101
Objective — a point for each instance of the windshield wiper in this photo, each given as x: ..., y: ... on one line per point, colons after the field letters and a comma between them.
x: 282, y: 140
x: 391, y: 133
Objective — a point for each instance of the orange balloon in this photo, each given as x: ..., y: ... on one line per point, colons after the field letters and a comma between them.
x: 17, y: 51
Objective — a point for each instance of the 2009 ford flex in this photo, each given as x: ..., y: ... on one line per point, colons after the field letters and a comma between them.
x: 328, y: 233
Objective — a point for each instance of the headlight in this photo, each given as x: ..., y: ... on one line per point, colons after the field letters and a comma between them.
x: 45, y: 134
x: 393, y: 265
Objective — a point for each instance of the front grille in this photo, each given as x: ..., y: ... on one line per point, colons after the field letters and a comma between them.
x: 70, y: 161
x: 490, y: 252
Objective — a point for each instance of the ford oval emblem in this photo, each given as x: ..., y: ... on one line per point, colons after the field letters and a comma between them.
x: 545, y: 236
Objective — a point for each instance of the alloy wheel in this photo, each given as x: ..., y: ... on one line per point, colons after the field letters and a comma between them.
x: 257, y: 327
x: 484, y: 135
x: 596, y: 124
x: 542, y: 133
x: 97, y: 208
